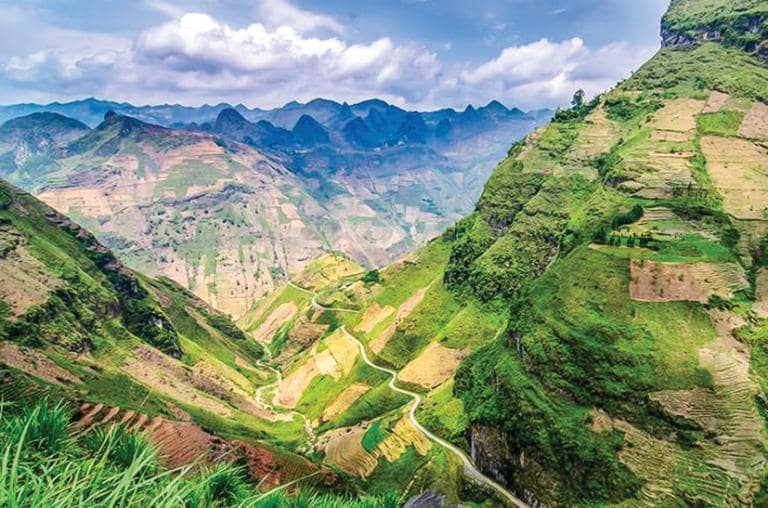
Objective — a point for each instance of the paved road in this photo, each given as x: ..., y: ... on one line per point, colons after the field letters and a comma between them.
x: 469, y: 466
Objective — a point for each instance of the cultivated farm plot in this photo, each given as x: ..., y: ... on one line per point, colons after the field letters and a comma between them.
x: 435, y: 365
x: 696, y: 282
x: 34, y: 363
x: 183, y: 443
x: 596, y: 137
x: 725, y: 468
x: 344, y: 447
x: 372, y: 316
x: 662, y: 223
x: 659, y: 173
x: 716, y: 102
x: 678, y: 115
x: 281, y: 315
x: 24, y: 281
x: 755, y: 123
x: 217, y: 390
x: 336, y: 361
x: 378, y: 344
x: 343, y: 402
x: 739, y: 169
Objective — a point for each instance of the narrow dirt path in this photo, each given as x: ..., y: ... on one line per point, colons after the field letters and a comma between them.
x: 289, y: 413
x: 469, y: 467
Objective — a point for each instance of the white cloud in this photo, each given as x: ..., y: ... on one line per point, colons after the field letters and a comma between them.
x: 194, y: 58
x: 546, y: 72
x: 531, y: 62
x: 283, y: 13
x: 212, y: 55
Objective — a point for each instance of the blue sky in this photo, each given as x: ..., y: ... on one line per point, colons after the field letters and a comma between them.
x: 416, y: 53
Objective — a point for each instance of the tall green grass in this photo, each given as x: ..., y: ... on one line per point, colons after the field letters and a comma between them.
x: 48, y: 462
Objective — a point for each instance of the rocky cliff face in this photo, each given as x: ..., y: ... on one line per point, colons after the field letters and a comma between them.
x: 741, y: 24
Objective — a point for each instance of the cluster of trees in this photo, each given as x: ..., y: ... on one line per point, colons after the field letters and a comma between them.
x: 603, y: 237
x: 610, y: 236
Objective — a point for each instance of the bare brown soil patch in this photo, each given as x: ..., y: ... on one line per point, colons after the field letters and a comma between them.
x: 378, y: 344
x: 174, y: 379
x: 761, y: 294
x: 435, y: 365
x: 678, y: 115
x: 739, y: 169
x: 345, y: 399
x: 755, y: 123
x: 676, y: 137
x: 660, y: 173
x: 24, y: 281
x: 34, y: 363
x: 372, y: 316
x: 716, y: 102
x: 668, y: 282
x: 181, y: 443
x: 89, y: 201
x: 291, y: 388
x: 597, y: 136
x: 281, y: 315
x: 305, y: 331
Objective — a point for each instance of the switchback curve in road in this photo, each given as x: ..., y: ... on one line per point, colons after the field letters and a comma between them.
x: 469, y: 467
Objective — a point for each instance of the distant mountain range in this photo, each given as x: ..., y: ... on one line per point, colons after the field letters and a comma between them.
x: 91, y: 111
x: 228, y: 201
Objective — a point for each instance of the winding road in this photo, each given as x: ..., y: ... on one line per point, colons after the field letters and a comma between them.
x: 469, y: 467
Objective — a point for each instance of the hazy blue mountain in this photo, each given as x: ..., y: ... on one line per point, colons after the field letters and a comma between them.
x: 180, y: 191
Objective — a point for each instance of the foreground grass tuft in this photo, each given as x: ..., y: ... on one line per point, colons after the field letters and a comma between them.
x: 47, y: 462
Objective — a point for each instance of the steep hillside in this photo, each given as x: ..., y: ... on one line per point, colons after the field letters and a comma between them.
x: 221, y: 219
x: 120, y: 347
x: 594, y: 333
x: 30, y: 143
x: 230, y: 214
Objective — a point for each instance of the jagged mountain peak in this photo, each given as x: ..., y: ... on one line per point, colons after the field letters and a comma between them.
x: 308, y: 131
x: 495, y: 107
x: 230, y: 115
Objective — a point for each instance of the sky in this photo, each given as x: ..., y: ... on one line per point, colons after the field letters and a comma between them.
x: 419, y: 54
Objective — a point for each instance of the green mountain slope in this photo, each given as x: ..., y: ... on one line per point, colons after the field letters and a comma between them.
x: 594, y: 333
x: 123, y: 348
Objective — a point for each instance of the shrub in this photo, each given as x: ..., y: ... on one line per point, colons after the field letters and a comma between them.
x: 630, y: 217
x: 372, y: 277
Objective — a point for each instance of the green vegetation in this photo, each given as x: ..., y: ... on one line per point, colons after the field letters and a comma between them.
x: 623, y: 108
x: 723, y: 123
x: 443, y: 414
x: 96, y: 283
x: 378, y: 401
x: 421, y: 326
x: 709, y: 66
x: 48, y: 462
x: 323, y: 390
x: 740, y: 23
x: 374, y: 436
x: 372, y: 277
